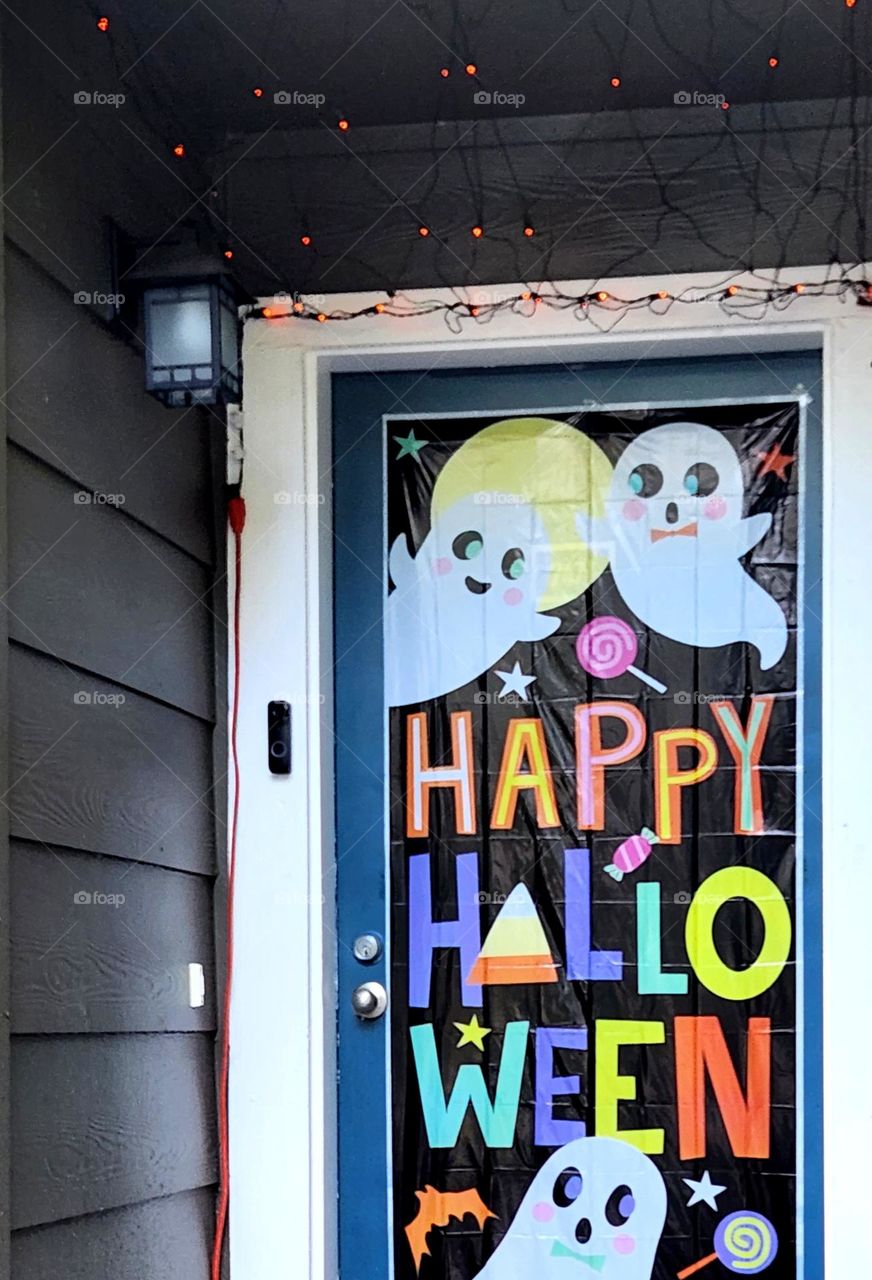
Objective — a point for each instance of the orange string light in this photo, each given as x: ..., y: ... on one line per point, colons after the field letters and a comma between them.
x: 305, y: 241
x: 529, y: 231
x: 423, y: 232
x: 179, y: 149
x: 343, y: 124
x: 477, y: 232
x: 859, y: 289
x: 444, y: 72
x: 102, y: 24
x: 258, y: 92
x: 773, y: 62
x: 615, y: 82
x: 471, y: 69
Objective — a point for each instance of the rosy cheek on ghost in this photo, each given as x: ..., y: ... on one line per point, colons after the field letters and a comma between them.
x: 514, y: 595
x: 633, y: 509
x: 714, y: 508
x: 624, y: 1244
x: 442, y: 565
x: 543, y: 1211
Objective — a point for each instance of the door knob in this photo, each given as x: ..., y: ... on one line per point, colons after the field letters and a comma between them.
x: 369, y: 1000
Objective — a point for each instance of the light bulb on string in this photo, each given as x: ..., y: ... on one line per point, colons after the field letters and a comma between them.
x: 423, y: 231
x: 257, y: 91
x: 773, y: 62
x: 476, y: 232
x: 305, y: 241
x: 102, y: 24
x: 529, y: 231
x: 343, y: 125
x: 444, y: 72
x: 179, y: 150
x: 471, y: 69
x: 615, y: 82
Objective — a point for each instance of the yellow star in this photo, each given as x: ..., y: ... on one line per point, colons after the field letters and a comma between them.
x: 472, y: 1033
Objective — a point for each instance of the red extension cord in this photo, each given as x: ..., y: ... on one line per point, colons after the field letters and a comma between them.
x: 236, y: 517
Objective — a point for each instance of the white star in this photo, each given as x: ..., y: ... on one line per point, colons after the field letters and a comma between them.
x: 515, y: 681
x: 704, y: 1192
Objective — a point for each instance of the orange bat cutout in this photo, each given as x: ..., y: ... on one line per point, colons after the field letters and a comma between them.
x: 436, y: 1208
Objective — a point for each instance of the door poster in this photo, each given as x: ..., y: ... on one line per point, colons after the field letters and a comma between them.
x: 592, y: 677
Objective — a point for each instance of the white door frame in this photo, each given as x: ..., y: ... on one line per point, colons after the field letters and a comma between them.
x: 282, y: 1088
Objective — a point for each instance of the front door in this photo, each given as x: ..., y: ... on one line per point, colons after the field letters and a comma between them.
x: 577, y: 779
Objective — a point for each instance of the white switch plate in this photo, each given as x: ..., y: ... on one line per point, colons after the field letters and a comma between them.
x: 196, y: 986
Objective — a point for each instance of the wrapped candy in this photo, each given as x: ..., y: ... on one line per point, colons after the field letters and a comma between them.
x: 630, y: 855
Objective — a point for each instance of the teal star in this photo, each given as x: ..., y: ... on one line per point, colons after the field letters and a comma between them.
x: 409, y: 446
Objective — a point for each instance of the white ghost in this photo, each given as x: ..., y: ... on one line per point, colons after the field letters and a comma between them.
x: 467, y: 596
x: 674, y: 532
x: 597, y: 1203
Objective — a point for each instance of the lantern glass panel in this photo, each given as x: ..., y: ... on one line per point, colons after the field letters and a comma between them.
x: 180, y: 330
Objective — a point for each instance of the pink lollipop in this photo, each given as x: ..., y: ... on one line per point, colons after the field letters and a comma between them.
x: 606, y: 648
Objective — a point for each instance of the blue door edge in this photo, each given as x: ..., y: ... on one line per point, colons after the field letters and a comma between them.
x: 361, y: 404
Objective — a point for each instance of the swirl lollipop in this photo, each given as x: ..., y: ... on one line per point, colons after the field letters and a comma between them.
x: 606, y: 647
x: 745, y: 1243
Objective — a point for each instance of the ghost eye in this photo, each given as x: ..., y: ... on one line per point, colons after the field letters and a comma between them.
x: 468, y: 545
x: 567, y: 1188
x: 645, y: 480
x: 619, y: 1206
x: 701, y: 479
x: 513, y: 563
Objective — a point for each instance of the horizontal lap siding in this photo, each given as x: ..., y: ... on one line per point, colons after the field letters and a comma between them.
x: 157, y: 1240
x: 116, y: 791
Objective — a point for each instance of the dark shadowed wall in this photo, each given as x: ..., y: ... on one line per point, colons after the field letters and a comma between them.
x: 116, y: 775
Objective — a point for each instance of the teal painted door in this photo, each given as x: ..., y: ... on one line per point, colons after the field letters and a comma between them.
x: 577, y: 681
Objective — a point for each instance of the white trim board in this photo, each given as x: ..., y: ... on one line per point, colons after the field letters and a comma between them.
x: 282, y: 1104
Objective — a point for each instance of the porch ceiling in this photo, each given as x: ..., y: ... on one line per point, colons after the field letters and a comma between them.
x: 613, y: 179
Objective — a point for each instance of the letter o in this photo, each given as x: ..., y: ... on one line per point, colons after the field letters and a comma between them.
x: 717, y: 977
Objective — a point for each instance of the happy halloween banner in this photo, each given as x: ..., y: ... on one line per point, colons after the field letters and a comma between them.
x: 592, y: 677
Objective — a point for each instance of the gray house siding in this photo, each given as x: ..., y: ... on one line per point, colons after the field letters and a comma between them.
x: 115, y: 739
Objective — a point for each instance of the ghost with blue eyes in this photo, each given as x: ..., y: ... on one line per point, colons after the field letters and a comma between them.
x: 675, y: 532
x: 596, y: 1208
x: 501, y: 551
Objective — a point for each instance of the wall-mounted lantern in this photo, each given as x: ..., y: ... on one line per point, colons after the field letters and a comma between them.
x: 191, y: 328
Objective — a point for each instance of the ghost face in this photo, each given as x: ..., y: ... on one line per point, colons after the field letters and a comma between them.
x: 469, y: 594
x: 676, y: 535
x: 596, y: 1208
x: 676, y: 496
